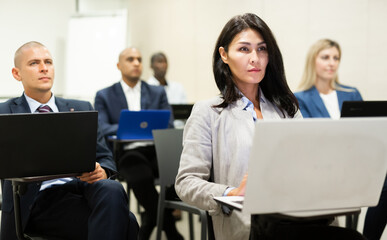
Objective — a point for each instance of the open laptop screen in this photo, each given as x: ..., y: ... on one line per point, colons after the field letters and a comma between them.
x: 364, y: 109
x: 181, y: 111
x: 47, y: 144
x: 138, y: 125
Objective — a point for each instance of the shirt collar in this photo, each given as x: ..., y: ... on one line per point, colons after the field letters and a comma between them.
x: 249, y: 106
x: 246, y: 101
x: 126, y: 87
x: 34, y: 105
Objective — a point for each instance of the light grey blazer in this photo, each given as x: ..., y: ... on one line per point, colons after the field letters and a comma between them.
x: 224, y: 137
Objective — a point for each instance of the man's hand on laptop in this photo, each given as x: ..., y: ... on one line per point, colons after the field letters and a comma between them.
x: 239, y: 191
x: 94, y: 176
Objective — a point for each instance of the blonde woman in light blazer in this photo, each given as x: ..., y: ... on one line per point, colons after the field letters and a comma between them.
x: 249, y: 73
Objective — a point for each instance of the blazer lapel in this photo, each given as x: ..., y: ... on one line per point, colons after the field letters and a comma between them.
x: 63, y: 105
x: 20, y: 105
x: 341, y: 96
x: 145, y: 96
x: 318, y: 102
x: 120, y: 96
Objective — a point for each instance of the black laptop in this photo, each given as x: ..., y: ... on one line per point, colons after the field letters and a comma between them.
x: 60, y: 144
x: 181, y: 111
x: 364, y: 109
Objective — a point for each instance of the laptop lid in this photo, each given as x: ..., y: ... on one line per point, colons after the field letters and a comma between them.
x: 316, y: 165
x: 138, y: 125
x: 47, y: 144
x: 181, y: 111
x: 364, y: 109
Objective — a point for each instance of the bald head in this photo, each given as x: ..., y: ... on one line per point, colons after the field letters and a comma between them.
x: 128, y: 51
x: 130, y: 65
x: 19, y: 51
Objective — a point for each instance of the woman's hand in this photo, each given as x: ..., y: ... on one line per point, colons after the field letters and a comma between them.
x: 239, y: 191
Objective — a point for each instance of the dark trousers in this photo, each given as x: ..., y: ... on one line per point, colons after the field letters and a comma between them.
x: 78, y: 210
x: 376, y: 217
x: 276, y: 227
x: 139, y: 168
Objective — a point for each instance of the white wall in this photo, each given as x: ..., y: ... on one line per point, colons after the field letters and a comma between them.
x: 45, y: 21
x: 22, y: 21
x: 187, y: 30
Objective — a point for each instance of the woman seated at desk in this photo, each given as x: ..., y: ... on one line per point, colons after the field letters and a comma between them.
x: 321, y: 94
x: 249, y: 73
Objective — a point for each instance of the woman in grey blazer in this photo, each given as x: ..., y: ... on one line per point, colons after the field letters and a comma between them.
x: 249, y: 73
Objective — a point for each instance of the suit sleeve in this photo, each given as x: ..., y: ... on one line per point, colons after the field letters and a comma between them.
x: 303, y: 107
x: 106, y: 126
x: 358, y: 96
x: 103, y: 154
x: 192, y: 181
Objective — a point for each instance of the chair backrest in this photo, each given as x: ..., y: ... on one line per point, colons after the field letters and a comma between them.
x: 169, y: 145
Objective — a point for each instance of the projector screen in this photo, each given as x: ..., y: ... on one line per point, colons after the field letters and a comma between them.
x: 94, y: 43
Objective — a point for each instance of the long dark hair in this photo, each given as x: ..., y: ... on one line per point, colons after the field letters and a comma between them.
x: 273, y: 85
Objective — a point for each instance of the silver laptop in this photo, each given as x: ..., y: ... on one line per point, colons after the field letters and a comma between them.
x: 315, y: 166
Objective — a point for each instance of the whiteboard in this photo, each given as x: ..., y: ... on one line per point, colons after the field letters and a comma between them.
x: 94, y: 43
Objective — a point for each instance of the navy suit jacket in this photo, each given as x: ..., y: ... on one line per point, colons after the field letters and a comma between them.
x: 312, y: 106
x: 111, y: 100
x: 103, y: 156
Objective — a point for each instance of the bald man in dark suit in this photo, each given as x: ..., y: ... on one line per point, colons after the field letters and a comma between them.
x: 90, y: 206
x: 138, y: 164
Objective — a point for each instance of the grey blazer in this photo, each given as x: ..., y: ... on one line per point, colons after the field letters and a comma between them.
x: 222, y: 137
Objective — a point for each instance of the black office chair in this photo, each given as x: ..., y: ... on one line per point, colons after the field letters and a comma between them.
x: 1, y: 200
x: 352, y: 220
x: 117, y: 148
x: 18, y: 191
x: 168, y: 145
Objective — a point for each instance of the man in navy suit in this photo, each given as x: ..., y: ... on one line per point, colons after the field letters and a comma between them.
x: 90, y: 206
x: 138, y: 164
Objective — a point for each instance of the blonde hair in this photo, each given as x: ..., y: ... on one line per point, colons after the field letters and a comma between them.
x: 309, y: 76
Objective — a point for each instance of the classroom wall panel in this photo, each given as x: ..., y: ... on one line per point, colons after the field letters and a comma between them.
x: 187, y: 30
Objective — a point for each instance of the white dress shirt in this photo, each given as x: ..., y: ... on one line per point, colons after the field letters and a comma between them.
x: 331, y: 103
x: 175, y: 91
x: 132, y: 95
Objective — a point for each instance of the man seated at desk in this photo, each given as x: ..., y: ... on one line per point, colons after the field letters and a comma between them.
x: 138, y: 164
x: 71, y: 208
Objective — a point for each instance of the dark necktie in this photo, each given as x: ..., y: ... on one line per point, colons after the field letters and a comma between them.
x: 44, y: 109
